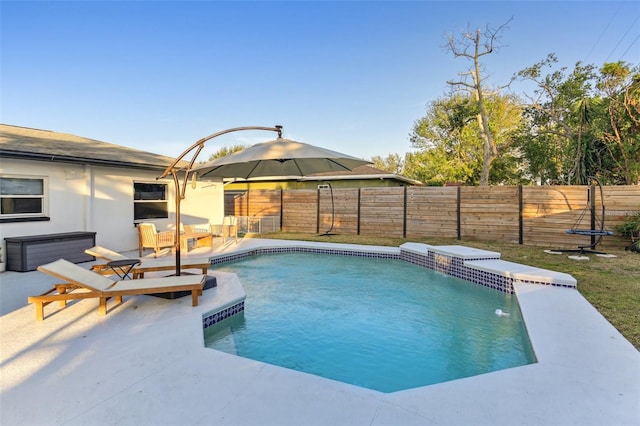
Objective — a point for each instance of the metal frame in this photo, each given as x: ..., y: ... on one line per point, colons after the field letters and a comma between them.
x: 173, y: 170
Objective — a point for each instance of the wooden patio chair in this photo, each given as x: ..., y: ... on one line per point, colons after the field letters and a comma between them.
x: 149, y: 237
x: 81, y: 283
x: 146, y: 265
x: 230, y: 228
x: 216, y: 230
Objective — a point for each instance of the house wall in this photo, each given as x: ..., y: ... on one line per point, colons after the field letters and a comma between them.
x: 100, y: 199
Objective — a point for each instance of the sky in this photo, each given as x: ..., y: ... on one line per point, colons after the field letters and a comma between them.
x: 351, y: 76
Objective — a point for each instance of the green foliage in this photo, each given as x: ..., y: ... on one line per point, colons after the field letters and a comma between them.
x: 224, y: 151
x: 619, y: 125
x: 631, y: 228
x: 450, y: 145
x: 393, y: 163
x: 574, y: 123
x: 584, y: 122
x: 555, y: 141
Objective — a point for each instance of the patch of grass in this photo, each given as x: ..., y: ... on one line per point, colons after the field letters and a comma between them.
x: 611, y: 285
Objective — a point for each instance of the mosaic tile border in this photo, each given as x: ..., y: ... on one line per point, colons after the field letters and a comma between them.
x: 216, y: 317
x: 275, y: 250
x: 455, y: 267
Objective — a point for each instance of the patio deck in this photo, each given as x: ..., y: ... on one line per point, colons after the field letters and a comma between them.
x: 145, y: 363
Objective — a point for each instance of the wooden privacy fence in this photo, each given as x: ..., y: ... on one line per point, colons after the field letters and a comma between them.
x: 535, y: 215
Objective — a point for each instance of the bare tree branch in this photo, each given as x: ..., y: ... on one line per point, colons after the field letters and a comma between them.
x: 473, y: 45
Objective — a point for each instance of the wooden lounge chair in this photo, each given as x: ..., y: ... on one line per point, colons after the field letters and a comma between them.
x: 146, y: 265
x: 80, y: 283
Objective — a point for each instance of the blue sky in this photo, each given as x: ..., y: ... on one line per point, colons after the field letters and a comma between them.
x: 348, y: 76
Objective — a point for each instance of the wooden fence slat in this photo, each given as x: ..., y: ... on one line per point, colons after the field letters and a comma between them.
x: 492, y: 213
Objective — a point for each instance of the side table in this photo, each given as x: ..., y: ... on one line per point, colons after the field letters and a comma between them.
x: 123, y: 267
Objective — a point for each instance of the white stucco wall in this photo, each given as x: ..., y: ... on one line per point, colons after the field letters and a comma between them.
x: 100, y: 199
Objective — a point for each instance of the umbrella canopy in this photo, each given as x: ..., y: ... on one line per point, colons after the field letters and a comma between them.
x: 280, y: 157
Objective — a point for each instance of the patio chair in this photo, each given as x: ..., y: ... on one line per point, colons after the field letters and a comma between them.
x: 81, y: 283
x: 146, y: 265
x: 230, y: 228
x: 216, y: 230
x: 149, y: 237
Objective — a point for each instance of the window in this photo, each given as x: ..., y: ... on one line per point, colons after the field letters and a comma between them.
x: 22, y: 198
x: 150, y: 201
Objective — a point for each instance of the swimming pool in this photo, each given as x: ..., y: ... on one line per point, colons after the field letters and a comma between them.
x: 383, y: 324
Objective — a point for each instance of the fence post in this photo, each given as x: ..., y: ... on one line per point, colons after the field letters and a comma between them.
x: 281, y: 208
x: 459, y: 228
x: 358, y: 214
x: 591, y: 198
x: 248, y: 198
x: 520, y: 219
x: 404, y: 215
x: 318, y: 211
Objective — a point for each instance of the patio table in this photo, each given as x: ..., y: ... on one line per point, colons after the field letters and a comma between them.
x: 203, y: 239
x: 123, y: 267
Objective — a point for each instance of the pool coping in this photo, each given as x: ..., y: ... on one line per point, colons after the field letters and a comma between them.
x: 117, y: 372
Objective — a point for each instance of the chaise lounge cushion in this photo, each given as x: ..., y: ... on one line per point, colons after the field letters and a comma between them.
x: 77, y: 275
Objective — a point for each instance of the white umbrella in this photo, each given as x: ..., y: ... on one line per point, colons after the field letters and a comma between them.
x: 280, y: 157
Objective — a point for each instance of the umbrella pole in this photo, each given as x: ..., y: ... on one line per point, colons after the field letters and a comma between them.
x: 176, y: 242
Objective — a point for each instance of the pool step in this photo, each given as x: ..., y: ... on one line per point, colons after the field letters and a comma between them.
x: 455, y: 251
x: 522, y: 273
x: 481, y: 266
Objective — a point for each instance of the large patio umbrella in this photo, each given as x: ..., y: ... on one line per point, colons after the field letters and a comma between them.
x: 280, y: 157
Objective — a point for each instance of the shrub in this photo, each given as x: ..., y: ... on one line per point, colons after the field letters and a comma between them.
x: 631, y: 228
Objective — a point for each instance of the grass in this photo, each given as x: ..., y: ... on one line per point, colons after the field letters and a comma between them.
x: 611, y: 285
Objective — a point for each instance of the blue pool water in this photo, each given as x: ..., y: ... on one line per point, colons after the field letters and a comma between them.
x: 382, y: 324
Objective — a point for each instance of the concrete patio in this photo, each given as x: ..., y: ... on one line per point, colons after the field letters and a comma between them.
x: 145, y: 363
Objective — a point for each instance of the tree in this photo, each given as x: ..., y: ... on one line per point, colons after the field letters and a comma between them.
x: 582, y: 123
x: 393, y: 163
x: 473, y: 46
x: 449, y: 142
x: 620, y: 88
x: 558, y: 113
x: 581, y: 164
x: 224, y: 151
x: 447, y: 153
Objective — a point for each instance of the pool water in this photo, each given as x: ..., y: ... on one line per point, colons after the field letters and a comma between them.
x: 381, y: 324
